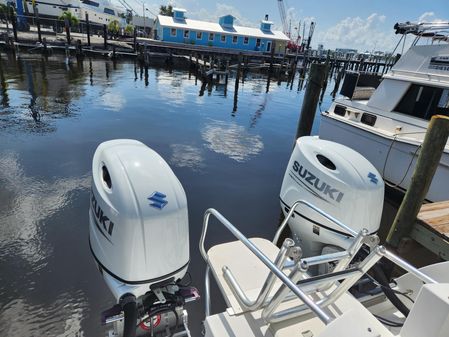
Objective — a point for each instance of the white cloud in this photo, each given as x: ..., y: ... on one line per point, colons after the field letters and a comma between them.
x: 220, y: 10
x: 429, y: 17
x: 426, y: 16
x: 359, y: 33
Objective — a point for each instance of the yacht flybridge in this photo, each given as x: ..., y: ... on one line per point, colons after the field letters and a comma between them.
x: 386, y: 119
x: 138, y: 234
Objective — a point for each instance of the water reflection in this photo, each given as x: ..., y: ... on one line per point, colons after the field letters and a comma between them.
x: 232, y: 140
x: 187, y: 156
x: 48, y: 283
x: 61, y: 317
x: 30, y: 202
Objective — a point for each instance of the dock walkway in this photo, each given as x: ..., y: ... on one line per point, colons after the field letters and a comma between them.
x: 432, y: 228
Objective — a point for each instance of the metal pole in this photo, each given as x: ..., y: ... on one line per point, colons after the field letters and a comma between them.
x: 426, y: 166
x: 143, y: 14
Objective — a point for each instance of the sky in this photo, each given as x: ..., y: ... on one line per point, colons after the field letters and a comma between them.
x: 359, y: 24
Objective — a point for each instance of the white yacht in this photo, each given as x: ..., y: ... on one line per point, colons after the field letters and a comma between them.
x: 100, y: 11
x: 386, y: 120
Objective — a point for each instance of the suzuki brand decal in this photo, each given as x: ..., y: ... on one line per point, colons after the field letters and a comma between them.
x: 373, y: 178
x: 308, y: 179
x: 158, y: 200
x: 101, y: 218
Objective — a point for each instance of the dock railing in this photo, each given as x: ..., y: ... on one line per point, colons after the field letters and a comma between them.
x: 299, y: 282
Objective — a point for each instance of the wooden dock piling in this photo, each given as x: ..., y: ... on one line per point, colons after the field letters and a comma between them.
x: 88, y: 29
x: 38, y: 24
x: 13, y: 18
x: 428, y: 161
x: 105, y: 37
x: 315, y: 83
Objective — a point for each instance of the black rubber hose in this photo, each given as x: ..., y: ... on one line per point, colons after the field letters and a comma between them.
x: 130, y: 312
x: 380, y: 277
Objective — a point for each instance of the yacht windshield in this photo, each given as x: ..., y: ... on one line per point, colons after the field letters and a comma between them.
x: 424, y: 102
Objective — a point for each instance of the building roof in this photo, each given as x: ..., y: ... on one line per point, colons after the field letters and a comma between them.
x: 212, y: 27
x: 177, y: 9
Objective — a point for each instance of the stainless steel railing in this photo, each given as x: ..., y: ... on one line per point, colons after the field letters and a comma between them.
x: 264, y: 259
x: 298, y: 281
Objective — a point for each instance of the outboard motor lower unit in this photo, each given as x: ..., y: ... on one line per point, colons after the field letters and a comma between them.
x: 139, y: 236
x: 337, y: 180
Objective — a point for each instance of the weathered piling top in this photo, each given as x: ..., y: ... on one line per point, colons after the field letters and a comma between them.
x: 432, y: 228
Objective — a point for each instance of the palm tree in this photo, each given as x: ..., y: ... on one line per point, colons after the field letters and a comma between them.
x: 72, y: 19
x: 166, y: 10
x: 114, y: 27
x: 129, y: 29
x: 4, y: 12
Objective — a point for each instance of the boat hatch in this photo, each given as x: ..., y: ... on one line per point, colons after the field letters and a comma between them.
x: 340, y: 110
x: 368, y: 119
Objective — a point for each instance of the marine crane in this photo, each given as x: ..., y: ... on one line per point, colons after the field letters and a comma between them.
x: 292, y: 45
x: 283, y: 15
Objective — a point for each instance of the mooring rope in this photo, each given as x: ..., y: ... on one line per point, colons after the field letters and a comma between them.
x: 409, y: 165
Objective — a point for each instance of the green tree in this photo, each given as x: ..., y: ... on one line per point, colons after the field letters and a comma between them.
x: 72, y: 19
x: 129, y: 29
x: 114, y: 27
x: 166, y: 10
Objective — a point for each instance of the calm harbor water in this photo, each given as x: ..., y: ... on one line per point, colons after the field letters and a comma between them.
x: 228, y: 149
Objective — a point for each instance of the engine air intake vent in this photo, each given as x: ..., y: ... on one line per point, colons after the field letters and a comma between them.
x: 326, y: 162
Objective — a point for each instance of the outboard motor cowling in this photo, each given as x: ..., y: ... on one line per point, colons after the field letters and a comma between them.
x: 139, y: 237
x: 339, y: 181
x: 138, y: 217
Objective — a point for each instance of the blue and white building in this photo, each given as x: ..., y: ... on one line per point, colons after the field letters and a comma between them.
x: 224, y: 34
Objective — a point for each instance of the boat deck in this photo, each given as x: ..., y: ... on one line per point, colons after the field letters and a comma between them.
x: 432, y: 228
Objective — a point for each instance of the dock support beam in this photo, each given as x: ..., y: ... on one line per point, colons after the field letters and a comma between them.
x: 426, y: 166
x: 317, y: 76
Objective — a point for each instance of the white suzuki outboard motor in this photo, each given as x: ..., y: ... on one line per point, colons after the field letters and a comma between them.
x: 339, y: 181
x: 139, y: 237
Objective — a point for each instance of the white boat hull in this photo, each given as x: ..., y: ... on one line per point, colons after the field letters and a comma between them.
x: 395, y: 159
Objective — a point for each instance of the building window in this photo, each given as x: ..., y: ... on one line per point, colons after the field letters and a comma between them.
x: 199, y: 35
x: 211, y: 36
x: 91, y: 3
x: 173, y: 32
x: 258, y: 43
x: 109, y: 11
x: 245, y: 40
x: 234, y: 39
x: 223, y: 38
x: 186, y: 34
